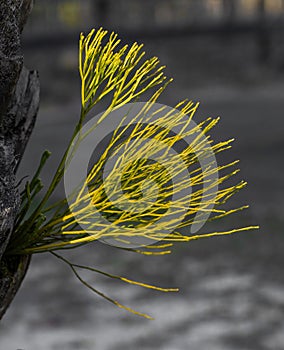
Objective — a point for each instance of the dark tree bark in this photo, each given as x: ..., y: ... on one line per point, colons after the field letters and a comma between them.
x: 19, y: 101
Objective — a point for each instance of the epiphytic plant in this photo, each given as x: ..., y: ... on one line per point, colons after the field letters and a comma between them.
x: 121, y: 75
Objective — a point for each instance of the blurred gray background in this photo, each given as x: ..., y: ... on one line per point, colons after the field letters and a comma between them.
x: 229, y: 55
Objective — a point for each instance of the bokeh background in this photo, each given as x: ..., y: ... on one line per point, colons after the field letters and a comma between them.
x: 229, y: 55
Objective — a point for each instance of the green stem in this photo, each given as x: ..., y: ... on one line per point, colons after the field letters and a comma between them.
x: 56, y: 179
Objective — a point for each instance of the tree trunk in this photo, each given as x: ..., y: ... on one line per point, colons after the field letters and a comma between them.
x: 229, y: 10
x: 101, y: 11
x: 263, y: 36
x: 19, y: 101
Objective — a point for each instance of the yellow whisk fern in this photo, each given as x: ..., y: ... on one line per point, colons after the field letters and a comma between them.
x: 155, y: 183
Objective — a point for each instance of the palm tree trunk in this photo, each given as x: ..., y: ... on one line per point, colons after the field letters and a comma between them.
x: 19, y: 101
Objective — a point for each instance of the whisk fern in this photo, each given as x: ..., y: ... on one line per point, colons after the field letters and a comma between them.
x: 120, y: 74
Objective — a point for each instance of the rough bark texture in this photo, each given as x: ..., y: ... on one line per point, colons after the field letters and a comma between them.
x: 19, y: 100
